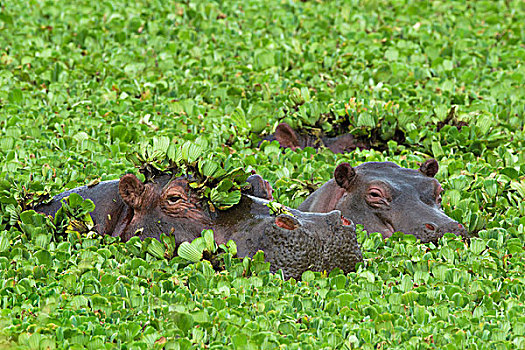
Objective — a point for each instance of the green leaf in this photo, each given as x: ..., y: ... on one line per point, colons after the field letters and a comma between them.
x: 156, y: 249
x: 189, y: 252
x: 190, y: 152
x: 391, y: 54
x: 232, y: 247
x: 208, y: 168
x: 211, y: 246
x: 161, y: 144
x: 239, y: 118
x: 44, y: 257
x: 225, y: 200
x: 75, y: 200
x: 366, y: 120
x: 183, y: 321
x: 519, y: 187
x: 16, y: 97
x: 4, y: 241
x: 307, y: 276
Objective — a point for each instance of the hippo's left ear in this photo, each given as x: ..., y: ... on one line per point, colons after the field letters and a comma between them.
x: 429, y: 168
x: 286, y: 136
x: 131, y: 190
x: 344, y: 175
x: 259, y: 187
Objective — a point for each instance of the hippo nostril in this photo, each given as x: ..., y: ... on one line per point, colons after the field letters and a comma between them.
x: 460, y: 226
x: 430, y: 227
x: 345, y: 221
x: 287, y: 222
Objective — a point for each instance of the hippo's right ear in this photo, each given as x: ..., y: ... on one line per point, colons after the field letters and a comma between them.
x: 131, y: 190
x: 259, y: 187
x: 429, y: 168
x: 344, y: 175
x: 286, y: 136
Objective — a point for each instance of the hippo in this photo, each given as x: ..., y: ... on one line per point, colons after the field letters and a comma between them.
x: 387, y: 198
x: 292, y: 241
x: 289, y: 138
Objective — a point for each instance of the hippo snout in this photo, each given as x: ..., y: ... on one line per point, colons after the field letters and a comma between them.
x: 340, y: 246
x: 431, y: 229
x: 335, y: 219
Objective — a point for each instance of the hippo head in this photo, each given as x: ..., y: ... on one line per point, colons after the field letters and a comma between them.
x: 387, y: 198
x: 169, y: 205
x: 289, y: 138
x: 161, y: 206
x: 294, y: 241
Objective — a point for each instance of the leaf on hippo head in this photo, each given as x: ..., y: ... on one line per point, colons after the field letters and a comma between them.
x: 278, y: 209
x: 216, y: 177
x: 161, y: 144
x: 224, y: 200
x: 238, y: 175
x: 75, y: 200
x: 209, y: 168
x: 224, y: 186
x: 191, y: 151
x: 134, y: 158
x: 87, y: 206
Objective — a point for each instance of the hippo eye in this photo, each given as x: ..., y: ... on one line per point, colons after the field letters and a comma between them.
x: 375, y: 194
x: 377, y: 197
x: 174, y: 199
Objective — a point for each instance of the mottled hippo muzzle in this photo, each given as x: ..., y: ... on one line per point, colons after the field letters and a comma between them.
x: 387, y: 198
x: 293, y: 241
x: 296, y: 241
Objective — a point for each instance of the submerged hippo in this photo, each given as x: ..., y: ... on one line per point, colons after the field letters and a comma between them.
x: 289, y: 138
x: 295, y: 243
x: 386, y: 198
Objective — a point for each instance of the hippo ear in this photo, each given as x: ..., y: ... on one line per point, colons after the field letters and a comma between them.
x: 429, y: 168
x: 131, y: 190
x: 344, y: 175
x: 259, y: 187
x: 286, y: 136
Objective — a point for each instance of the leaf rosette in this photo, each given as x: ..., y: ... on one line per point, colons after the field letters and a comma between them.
x: 219, y: 180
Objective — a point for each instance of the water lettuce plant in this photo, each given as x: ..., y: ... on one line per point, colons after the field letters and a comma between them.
x: 90, y: 89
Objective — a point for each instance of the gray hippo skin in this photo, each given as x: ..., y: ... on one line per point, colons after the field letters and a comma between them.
x: 295, y: 243
x: 387, y: 198
x: 289, y: 138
